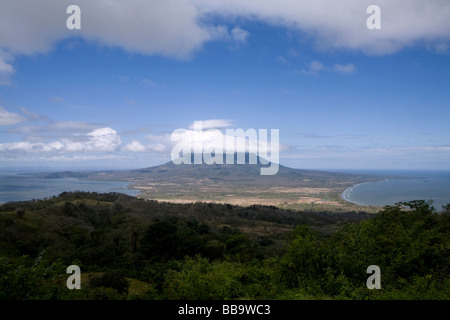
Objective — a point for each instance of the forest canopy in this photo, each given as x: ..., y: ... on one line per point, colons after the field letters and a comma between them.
x: 129, y: 248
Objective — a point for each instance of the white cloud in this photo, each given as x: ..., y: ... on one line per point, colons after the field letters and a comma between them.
x: 198, y: 141
x: 53, y: 130
x: 168, y: 28
x: 314, y: 68
x: 214, y: 123
x: 9, y: 118
x: 74, y: 126
x: 148, y: 82
x: 344, y: 68
x: 32, y: 116
x: 235, y: 37
x: 442, y: 48
x: 134, y: 146
x: 102, y: 139
x: 6, y: 68
x: 98, y: 140
x: 76, y: 158
x: 177, y: 28
x: 239, y: 34
x: 212, y: 136
x: 159, y: 147
x: 157, y: 138
x: 26, y: 146
x: 342, y: 25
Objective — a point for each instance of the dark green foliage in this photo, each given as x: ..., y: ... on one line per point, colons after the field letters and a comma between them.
x: 213, y: 251
x: 113, y: 279
x: 176, y: 238
x: 160, y: 240
x: 302, y: 260
x: 411, y: 246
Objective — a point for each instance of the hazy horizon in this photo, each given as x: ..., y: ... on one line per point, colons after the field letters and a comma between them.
x: 43, y: 168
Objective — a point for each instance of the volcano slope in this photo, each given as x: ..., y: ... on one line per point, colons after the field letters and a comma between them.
x: 239, y: 184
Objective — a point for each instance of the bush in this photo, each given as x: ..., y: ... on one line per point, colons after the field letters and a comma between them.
x: 113, y: 280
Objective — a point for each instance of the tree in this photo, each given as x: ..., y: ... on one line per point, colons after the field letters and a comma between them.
x: 160, y: 240
x: 112, y: 279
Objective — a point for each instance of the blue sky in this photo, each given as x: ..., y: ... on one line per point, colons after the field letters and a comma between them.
x: 341, y: 95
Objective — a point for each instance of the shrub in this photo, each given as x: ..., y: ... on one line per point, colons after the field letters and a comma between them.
x: 113, y: 280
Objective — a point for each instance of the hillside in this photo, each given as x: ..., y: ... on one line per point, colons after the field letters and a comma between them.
x: 243, y: 174
x: 131, y: 248
x: 239, y: 184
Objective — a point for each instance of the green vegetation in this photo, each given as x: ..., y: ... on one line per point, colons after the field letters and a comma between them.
x: 129, y: 248
x: 295, y: 189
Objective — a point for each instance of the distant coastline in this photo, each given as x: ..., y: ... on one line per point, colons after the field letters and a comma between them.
x: 346, y: 195
x: 383, y: 188
x: 24, y: 187
x: 347, y: 192
x: 434, y: 186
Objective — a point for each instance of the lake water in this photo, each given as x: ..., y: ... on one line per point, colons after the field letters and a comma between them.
x: 23, y: 187
x: 417, y: 185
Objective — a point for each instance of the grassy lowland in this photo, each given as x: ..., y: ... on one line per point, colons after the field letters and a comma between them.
x: 129, y: 248
x: 237, y: 184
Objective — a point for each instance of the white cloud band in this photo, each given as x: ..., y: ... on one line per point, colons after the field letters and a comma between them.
x: 98, y: 140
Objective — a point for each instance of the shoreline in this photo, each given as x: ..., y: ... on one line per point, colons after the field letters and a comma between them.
x: 345, y: 195
x: 437, y: 201
x: 48, y: 190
